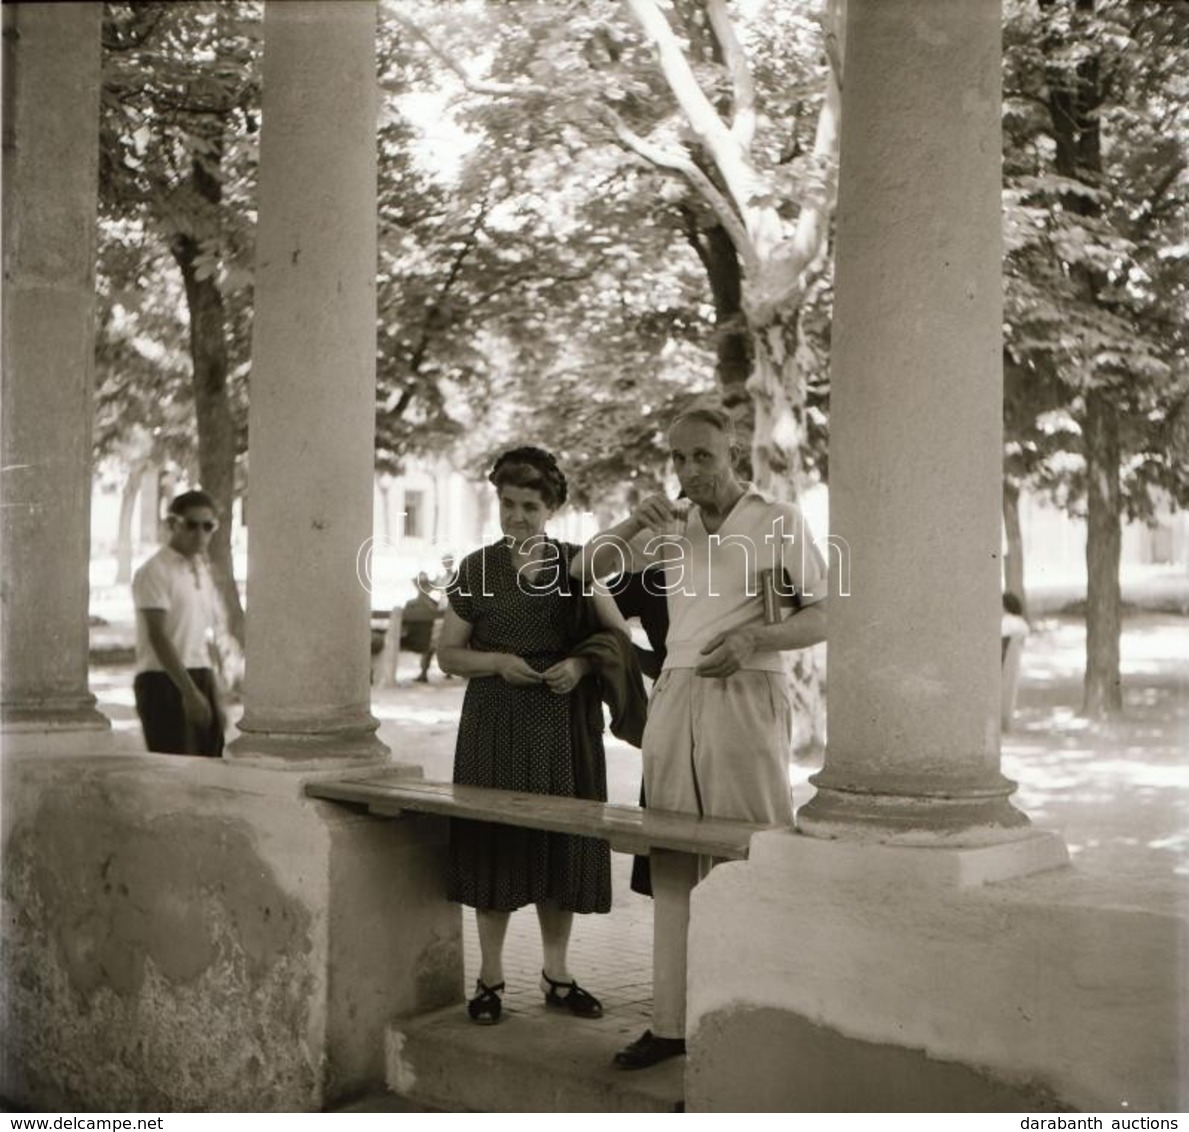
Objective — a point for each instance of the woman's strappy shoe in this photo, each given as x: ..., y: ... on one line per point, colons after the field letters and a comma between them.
x: 485, y: 1008
x: 572, y: 998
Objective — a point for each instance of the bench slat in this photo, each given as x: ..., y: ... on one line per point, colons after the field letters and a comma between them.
x: 628, y: 829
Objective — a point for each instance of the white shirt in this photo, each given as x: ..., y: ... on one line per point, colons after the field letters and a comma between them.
x: 713, y: 583
x: 184, y: 589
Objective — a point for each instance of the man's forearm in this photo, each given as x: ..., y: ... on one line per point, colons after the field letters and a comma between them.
x: 799, y: 631
x: 607, y: 553
x: 172, y: 663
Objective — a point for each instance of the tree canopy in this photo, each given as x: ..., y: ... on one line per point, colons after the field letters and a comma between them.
x: 588, y: 213
x: 1097, y: 264
x: 689, y: 181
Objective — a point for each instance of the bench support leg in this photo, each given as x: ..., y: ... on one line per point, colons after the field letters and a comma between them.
x: 673, y: 878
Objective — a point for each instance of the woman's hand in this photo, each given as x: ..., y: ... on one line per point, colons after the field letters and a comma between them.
x: 563, y: 676
x: 516, y: 671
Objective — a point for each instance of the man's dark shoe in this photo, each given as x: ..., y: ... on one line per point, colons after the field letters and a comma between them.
x: 649, y: 1050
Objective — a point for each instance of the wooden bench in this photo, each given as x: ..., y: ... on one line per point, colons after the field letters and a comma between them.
x: 628, y: 829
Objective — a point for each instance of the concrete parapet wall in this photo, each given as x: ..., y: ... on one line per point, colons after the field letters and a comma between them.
x: 192, y: 935
x: 834, y: 977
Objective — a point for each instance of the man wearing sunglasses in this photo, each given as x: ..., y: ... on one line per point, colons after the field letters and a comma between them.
x: 177, y: 610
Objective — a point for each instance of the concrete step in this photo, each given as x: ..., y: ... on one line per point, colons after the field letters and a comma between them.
x: 535, y: 1060
x: 382, y: 1102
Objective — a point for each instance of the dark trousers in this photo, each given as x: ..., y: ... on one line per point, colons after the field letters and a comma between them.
x: 163, y: 719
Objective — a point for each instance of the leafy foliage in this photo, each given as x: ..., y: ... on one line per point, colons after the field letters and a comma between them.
x: 541, y: 278
x: 1097, y: 265
x: 179, y: 119
x: 575, y: 128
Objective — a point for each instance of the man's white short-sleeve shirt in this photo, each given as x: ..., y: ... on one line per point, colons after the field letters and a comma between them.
x: 184, y: 589
x: 713, y: 583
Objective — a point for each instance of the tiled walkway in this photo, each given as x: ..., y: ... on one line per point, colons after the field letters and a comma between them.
x: 610, y: 955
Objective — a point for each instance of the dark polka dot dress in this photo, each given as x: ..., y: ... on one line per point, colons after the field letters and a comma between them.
x: 519, y: 739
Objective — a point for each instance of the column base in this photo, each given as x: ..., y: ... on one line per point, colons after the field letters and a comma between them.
x: 981, y: 817
x: 309, y: 751
x: 919, y: 868
x: 76, y: 714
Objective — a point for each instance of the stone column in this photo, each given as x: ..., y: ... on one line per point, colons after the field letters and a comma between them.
x: 51, y: 162
x: 312, y: 416
x: 916, y: 433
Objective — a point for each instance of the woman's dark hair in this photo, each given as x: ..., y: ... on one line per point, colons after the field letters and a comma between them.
x: 532, y: 468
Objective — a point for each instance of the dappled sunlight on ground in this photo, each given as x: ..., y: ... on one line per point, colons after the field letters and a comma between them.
x: 409, y: 715
x: 1117, y: 790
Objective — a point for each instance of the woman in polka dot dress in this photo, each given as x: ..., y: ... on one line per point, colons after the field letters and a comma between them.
x: 508, y: 628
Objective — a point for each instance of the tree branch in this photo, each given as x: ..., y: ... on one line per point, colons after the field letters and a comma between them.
x: 1026, y: 96
x: 683, y: 164
x: 731, y: 159
x: 693, y: 237
x: 810, y: 233
x: 1157, y: 197
x: 475, y: 86
x: 428, y: 329
x: 743, y: 102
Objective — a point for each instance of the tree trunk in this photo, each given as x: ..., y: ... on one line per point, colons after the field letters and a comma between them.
x: 136, y: 475
x: 150, y: 504
x: 732, y: 339
x: 208, y: 351
x: 1013, y: 566
x: 1074, y: 103
x: 778, y: 396
x: 1103, y: 684
x: 731, y: 342
x: 216, y: 428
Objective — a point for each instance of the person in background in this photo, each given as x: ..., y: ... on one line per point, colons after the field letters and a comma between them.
x: 1013, y: 623
x: 422, y: 621
x: 177, y: 618
x: 1013, y: 629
